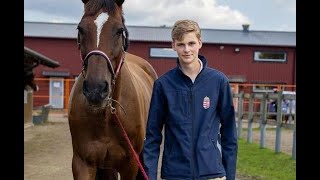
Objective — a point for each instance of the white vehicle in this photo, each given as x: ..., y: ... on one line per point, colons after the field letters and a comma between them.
x: 288, y: 106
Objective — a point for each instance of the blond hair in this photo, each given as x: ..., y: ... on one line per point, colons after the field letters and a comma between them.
x: 182, y: 27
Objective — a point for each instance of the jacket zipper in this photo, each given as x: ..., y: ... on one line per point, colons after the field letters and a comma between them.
x: 192, y: 135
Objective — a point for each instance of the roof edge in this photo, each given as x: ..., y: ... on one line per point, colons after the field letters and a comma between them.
x: 42, y: 59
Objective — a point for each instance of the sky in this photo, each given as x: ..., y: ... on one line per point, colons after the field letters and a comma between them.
x: 265, y: 15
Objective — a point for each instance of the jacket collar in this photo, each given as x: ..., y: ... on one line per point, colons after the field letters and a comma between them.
x: 202, y: 58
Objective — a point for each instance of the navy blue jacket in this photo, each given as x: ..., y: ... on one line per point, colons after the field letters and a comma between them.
x: 195, y: 147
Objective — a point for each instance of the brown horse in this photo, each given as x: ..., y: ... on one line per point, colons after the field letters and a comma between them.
x: 29, y: 80
x: 113, y: 87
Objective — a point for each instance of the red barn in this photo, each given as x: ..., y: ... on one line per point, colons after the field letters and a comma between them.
x: 266, y: 59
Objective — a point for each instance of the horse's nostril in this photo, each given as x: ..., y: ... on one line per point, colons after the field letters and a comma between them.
x: 95, y: 92
x: 85, y: 86
x: 106, y: 86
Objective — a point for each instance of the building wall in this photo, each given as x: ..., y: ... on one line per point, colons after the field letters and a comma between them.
x: 142, y: 49
x: 65, y: 51
x: 242, y: 63
x: 42, y: 95
x: 224, y: 59
x: 221, y: 57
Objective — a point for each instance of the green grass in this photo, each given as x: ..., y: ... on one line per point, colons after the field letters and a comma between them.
x: 263, y: 164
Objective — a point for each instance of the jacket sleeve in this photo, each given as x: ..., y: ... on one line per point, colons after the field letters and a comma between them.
x: 229, y: 144
x: 153, y: 139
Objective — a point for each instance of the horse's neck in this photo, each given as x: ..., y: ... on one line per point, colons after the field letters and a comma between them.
x: 124, y: 83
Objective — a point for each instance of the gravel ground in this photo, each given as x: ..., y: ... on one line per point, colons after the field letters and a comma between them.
x: 48, y: 151
x: 270, y: 139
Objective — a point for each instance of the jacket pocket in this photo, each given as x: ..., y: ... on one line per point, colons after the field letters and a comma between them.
x: 218, y: 153
x: 209, y: 158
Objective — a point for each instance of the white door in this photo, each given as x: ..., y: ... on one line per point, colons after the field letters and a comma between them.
x: 56, y: 95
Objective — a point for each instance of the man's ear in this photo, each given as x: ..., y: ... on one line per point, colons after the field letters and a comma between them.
x: 200, y: 42
x: 173, y: 45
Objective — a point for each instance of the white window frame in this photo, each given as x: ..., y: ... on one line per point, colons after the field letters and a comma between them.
x: 257, y: 53
x: 162, y: 52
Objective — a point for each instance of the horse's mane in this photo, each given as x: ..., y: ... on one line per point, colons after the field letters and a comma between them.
x: 93, y: 6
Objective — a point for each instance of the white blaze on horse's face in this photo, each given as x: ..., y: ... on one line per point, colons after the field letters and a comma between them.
x: 100, y: 20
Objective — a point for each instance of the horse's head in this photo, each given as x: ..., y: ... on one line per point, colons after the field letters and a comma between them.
x: 102, y: 40
x: 29, y: 76
x: 29, y: 81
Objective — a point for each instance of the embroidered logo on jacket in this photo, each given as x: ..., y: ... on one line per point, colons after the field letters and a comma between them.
x: 206, y: 102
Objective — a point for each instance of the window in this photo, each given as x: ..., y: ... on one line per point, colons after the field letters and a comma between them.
x: 163, y: 52
x: 270, y: 56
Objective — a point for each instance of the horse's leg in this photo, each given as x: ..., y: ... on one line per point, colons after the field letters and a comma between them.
x: 106, y: 174
x: 140, y: 174
x: 81, y: 171
x: 129, y: 172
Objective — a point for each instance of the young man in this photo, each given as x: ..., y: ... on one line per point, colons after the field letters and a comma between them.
x: 194, y: 104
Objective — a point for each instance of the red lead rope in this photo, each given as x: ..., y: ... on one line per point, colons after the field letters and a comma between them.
x: 136, y: 157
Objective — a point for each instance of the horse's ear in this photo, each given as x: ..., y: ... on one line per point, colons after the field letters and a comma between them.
x: 119, y: 2
x: 85, y: 1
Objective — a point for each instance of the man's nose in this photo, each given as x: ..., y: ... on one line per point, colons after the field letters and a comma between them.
x: 186, y: 48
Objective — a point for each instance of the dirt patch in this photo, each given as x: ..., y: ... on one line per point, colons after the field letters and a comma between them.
x: 270, y: 138
x: 48, y: 149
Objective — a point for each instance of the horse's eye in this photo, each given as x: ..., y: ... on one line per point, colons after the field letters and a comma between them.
x: 80, y: 33
x: 78, y: 40
x: 80, y: 29
x: 120, y: 31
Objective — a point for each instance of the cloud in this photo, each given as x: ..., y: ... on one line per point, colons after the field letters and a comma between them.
x: 210, y: 14
x: 286, y: 5
x: 207, y: 13
x: 53, y: 10
x: 39, y: 16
